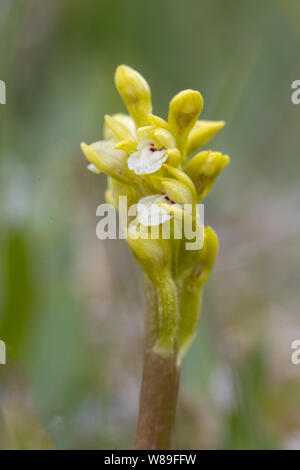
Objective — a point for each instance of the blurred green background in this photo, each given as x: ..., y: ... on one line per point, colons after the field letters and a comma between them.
x: 71, y: 306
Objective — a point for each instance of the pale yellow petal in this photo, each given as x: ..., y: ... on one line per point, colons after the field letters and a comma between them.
x: 118, y: 129
x: 177, y: 191
x: 124, y: 119
x: 108, y: 160
x: 201, y: 133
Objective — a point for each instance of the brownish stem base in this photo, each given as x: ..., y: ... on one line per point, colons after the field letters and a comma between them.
x: 159, y: 390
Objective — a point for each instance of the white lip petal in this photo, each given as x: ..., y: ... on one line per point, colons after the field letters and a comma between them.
x: 146, y: 161
x: 91, y: 167
x: 149, y: 213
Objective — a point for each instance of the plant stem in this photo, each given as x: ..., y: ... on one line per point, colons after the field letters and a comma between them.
x: 159, y: 389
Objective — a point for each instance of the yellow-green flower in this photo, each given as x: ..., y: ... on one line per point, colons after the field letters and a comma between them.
x: 147, y: 159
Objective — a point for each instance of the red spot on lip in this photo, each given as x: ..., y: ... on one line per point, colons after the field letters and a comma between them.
x: 153, y: 149
x: 168, y: 199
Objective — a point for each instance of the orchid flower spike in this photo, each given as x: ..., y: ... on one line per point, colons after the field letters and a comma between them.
x: 150, y: 161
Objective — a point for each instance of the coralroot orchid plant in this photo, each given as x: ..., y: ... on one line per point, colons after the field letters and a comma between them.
x: 147, y: 159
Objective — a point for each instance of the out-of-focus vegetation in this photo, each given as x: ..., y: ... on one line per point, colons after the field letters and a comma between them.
x: 71, y: 308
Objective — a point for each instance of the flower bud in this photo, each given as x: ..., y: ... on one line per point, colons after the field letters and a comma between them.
x: 204, y: 169
x: 184, y: 110
x: 135, y: 93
